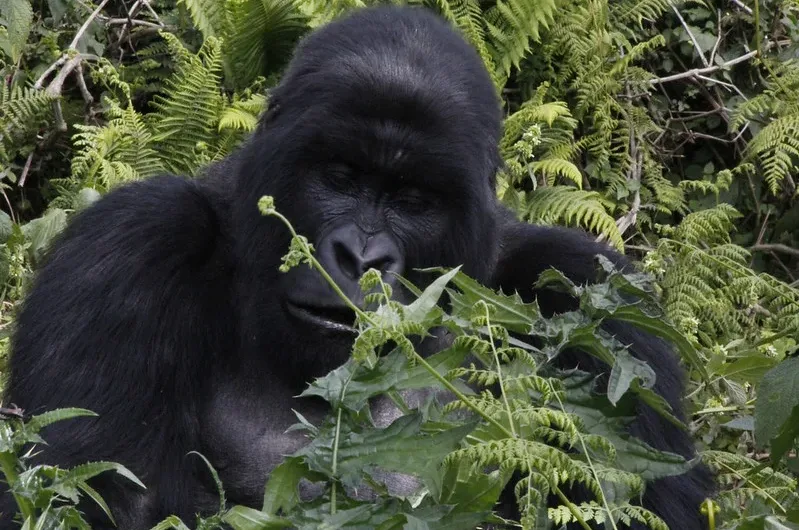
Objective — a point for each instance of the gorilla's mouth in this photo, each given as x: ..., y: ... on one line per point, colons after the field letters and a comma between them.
x: 334, y: 318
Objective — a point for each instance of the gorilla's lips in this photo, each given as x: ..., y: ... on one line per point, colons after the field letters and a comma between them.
x: 331, y: 317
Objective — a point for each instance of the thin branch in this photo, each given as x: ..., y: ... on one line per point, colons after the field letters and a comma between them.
x: 775, y: 247
x: 695, y: 72
x: 718, y: 37
x: 742, y: 6
x: 25, y: 170
x: 73, y: 45
x: 133, y: 22
x: 50, y: 69
x: 84, y: 90
x: 690, y: 35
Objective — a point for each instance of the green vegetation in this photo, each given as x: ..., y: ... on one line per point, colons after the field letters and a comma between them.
x: 669, y: 129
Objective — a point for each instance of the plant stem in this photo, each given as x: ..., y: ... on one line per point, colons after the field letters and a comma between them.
x: 9, y: 468
x: 334, y: 466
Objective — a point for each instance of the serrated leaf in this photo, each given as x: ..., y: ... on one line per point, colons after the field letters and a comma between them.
x: 17, y: 16
x: 660, y: 328
x: 244, y: 518
x: 282, y: 488
x: 391, y: 372
x: 777, y: 407
x: 401, y: 447
x: 625, y: 369
x: 84, y: 472
x: 420, y: 308
x: 85, y: 198
x: 172, y: 522
x: 98, y: 499
x: 40, y: 421
x: 510, y: 310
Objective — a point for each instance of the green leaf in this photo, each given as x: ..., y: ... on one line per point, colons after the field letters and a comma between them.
x: 625, y: 369
x: 510, y: 311
x: 84, y: 472
x: 6, y: 227
x: 777, y: 404
x: 401, y: 447
x: 171, y: 522
x: 37, y: 423
x: 281, y: 492
x: 749, y: 369
x: 391, y: 372
x: 209, y: 16
x: 420, y: 308
x: 660, y: 328
x: 98, y: 499
x: 42, y: 230
x: 243, y: 518
x: 16, y: 17
x: 602, y: 419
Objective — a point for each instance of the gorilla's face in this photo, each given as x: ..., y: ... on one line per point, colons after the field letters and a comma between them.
x: 383, y: 199
x: 384, y: 158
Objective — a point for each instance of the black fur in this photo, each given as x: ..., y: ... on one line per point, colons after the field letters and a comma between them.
x: 162, y: 309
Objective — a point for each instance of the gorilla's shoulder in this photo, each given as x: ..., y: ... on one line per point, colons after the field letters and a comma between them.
x: 162, y: 224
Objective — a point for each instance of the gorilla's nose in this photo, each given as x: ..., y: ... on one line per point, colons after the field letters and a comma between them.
x: 348, y: 253
x: 379, y: 252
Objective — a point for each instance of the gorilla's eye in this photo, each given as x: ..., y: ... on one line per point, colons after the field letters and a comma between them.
x: 339, y: 174
x: 416, y: 198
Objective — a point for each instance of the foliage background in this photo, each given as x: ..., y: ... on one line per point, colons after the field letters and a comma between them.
x: 669, y: 129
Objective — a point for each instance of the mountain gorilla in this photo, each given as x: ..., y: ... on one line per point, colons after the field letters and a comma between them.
x: 162, y: 309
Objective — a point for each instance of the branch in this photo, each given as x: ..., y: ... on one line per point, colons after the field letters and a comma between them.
x: 25, y: 170
x: 690, y: 34
x: 696, y: 72
x: 69, y: 61
x: 775, y: 247
x: 742, y: 6
x: 85, y: 26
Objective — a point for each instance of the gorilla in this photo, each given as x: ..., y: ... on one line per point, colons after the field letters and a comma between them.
x: 162, y: 309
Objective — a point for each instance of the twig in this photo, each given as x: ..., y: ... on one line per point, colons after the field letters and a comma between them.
x: 73, y: 45
x: 70, y: 60
x: 775, y: 247
x: 84, y: 90
x: 55, y: 87
x: 25, y: 170
x: 690, y: 34
x: 695, y: 72
x: 742, y: 6
x: 50, y: 69
x: 718, y: 38
x: 133, y: 22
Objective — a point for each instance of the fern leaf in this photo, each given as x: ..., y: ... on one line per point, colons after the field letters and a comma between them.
x: 262, y: 36
x: 574, y: 207
x: 211, y: 17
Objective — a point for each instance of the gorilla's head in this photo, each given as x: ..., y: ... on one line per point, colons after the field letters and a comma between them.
x: 380, y: 145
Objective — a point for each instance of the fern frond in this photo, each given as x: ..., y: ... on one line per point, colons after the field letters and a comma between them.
x: 188, y: 112
x: 777, y: 148
x: 22, y: 109
x: 262, y: 36
x: 563, y: 204
x: 211, y: 17
x: 512, y: 24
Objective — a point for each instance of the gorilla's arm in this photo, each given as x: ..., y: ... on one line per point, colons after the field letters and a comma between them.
x: 525, y: 252
x: 117, y: 321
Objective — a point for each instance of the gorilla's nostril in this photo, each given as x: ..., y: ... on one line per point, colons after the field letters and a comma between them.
x: 382, y: 264
x: 347, y: 261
